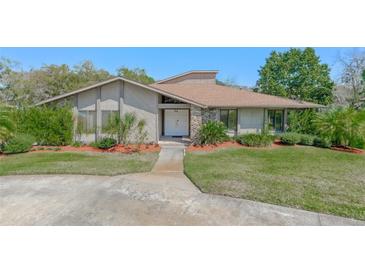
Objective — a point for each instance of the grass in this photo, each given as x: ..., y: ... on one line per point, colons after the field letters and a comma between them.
x: 76, y: 163
x: 302, y: 177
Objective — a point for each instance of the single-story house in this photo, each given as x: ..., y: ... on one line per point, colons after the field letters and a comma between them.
x: 178, y: 106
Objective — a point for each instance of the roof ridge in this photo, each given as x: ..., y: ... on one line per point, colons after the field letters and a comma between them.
x: 185, y: 73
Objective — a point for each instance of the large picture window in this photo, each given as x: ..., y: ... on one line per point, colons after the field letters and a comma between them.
x: 87, y: 121
x: 276, y: 120
x: 106, y: 117
x: 229, y: 118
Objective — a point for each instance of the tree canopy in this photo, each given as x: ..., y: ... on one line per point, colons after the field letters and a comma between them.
x: 137, y: 74
x: 24, y: 87
x: 296, y: 74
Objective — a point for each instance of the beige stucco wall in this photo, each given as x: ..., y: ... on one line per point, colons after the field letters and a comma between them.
x: 87, y: 100
x: 250, y: 120
x: 109, y: 99
x: 143, y: 103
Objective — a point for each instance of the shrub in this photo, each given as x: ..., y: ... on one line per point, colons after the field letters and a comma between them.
x: 306, y: 139
x: 106, y: 143
x: 18, y: 144
x: 212, y: 132
x: 358, y: 142
x: 290, y: 138
x: 322, y: 142
x: 255, y: 140
x: 49, y: 126
x: 6, y: 123
x: 301, y: 121
x: 342, y: 126
x: 77, y: 144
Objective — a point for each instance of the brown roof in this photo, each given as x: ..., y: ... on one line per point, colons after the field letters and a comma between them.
x: 211, y: 95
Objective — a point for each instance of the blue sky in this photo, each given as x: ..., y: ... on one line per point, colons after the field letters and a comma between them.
x: 238, y: 64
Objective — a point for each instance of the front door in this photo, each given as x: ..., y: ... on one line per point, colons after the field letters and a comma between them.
x: 176, y: 122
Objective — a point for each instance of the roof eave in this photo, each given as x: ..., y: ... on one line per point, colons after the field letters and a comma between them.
x: 162, y: 92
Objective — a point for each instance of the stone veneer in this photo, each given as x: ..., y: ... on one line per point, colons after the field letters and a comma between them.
x: 195, y: 122
x: 199, y: 116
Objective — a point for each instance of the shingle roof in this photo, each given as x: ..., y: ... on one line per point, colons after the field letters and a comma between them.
x: 211, y: 95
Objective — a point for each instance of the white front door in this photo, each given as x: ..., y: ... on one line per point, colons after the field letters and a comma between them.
x: 176, y: 122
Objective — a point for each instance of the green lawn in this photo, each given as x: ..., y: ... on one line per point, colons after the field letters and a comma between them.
x: 303, y: 177
x: 76, y: 163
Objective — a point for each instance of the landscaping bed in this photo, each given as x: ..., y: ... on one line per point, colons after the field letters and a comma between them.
x: 305, y: 177
x: 87, y: 148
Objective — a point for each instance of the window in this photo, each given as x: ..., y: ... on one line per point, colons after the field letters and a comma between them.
x: 87, y: 121
x: 229, y: 118
x: 168, y: 100
x: 276, y: 120
x: 106, y: 117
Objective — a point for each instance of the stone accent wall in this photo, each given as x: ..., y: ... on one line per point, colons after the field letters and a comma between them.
x: 195, y: 122
x: 199, y: 116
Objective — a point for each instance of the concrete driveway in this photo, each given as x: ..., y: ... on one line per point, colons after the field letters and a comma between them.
x: 163, y: 197
x: 138, y: 199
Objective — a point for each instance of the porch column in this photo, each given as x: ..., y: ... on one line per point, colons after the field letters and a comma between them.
x: 285, y: 119
x: 196, y: 121
x: 238, y: 121
x: 121, y: 98
x: 75, y: 118
x: 98, y: 114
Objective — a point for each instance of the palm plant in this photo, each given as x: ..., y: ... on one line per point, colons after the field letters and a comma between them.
x: 121, y: 128
x: 342, y: 126
x: 127, y: 123
x: 6, y: 123
x: 141, y: 132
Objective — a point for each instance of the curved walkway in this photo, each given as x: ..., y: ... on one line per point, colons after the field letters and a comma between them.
x: 162, y: 197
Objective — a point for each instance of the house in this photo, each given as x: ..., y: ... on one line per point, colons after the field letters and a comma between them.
x: 177, y: 106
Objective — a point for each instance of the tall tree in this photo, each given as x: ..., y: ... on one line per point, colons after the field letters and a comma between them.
x: 296, y: 74
x: 137, y: 74
x: 353, y: 77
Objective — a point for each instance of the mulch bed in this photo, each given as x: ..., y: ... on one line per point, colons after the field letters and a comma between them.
x: 85, y: 148
x: 348, y: 149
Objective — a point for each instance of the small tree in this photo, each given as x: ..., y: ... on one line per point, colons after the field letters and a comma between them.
x: 302, y: 121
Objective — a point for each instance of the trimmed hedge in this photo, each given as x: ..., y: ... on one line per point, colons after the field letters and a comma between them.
x: 255, y: 140
x: 18, y: 144
x: 322, y: 142
x: 290, y: 138
x: 49, y: 126
x: 306, y: 139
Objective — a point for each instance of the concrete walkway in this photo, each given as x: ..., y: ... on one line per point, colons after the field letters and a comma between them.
x: 170, y: 159
x: 164, y: 196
